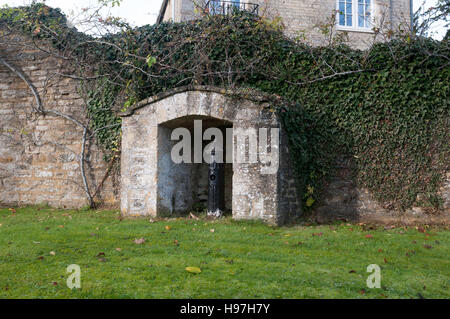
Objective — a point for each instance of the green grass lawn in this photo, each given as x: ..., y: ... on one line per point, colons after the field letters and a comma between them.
x: 237, y: 259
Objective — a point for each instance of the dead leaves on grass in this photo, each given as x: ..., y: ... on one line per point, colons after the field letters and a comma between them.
x: 139, y: 241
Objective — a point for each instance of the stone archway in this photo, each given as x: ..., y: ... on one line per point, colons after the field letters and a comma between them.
x: 152, y: 184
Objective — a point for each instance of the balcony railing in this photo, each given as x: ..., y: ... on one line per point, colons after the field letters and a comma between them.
x: 229, y: 7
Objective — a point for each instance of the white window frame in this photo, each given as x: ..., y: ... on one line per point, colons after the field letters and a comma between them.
x: 355, y: 26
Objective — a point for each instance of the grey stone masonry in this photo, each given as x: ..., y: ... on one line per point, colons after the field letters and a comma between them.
x: 39, y: 155
x: 153, y: 185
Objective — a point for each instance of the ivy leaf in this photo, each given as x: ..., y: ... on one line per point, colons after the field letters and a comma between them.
x: 150, y: 60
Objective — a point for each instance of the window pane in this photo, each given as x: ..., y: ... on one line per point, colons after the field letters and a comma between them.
x: 348, y: 13
x: 364, y: 8
x: 341, y: 19
x: 368, y: 22
x: 349, y: 8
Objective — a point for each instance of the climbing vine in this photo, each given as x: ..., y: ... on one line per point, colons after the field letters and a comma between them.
x: 385, y: 108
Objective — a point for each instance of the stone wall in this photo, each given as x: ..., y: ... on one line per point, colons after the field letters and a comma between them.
x: 301, y: 18
x: 39, y: 161
x: 344, y: 200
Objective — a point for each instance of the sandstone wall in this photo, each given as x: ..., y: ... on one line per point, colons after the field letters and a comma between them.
x: 344, y: 200
x: 301, y: 18
x: 39, y: 154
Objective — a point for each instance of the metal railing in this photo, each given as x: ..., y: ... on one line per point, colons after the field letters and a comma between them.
x: 229, y: 7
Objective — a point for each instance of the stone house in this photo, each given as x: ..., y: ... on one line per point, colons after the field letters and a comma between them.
x: 302, y: 18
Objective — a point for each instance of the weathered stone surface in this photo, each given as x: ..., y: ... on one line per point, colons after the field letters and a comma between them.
x: 39, y: 155
x: 152, y: 184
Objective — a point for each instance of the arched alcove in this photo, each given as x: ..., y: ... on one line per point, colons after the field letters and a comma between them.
x: 153, y: 184
x: 183, y: 187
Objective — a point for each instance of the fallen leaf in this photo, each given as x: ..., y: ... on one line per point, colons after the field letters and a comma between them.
x: 41, y: 258
x: 61, y: 226
x: 212, y: 230
x: 100, y: 254
x: 167, y: 227
x: 380, y: 250
x: 102, y: 260
x: 55, y: 283
x: 52, y: 253
x: 119, y: 249
x: 385, y: 260
x: 428, y: 246
x: 369, y: 236
x: 139, y: 241
x: 12, y: 210
x: 1, y: 225
x: 193, y: 216
x: 317, y: 234
x: 194, y: 270
x: 362, y: 291
x: 176, y: 242
x: 352, y: 271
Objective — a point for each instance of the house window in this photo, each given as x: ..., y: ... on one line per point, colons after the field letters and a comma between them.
x: 354, y: 14
x: 223, y: 7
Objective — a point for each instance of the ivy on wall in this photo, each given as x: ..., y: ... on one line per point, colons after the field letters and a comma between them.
x: 386, y: 108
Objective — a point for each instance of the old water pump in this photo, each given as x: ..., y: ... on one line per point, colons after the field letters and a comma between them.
x: 215, y: 187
